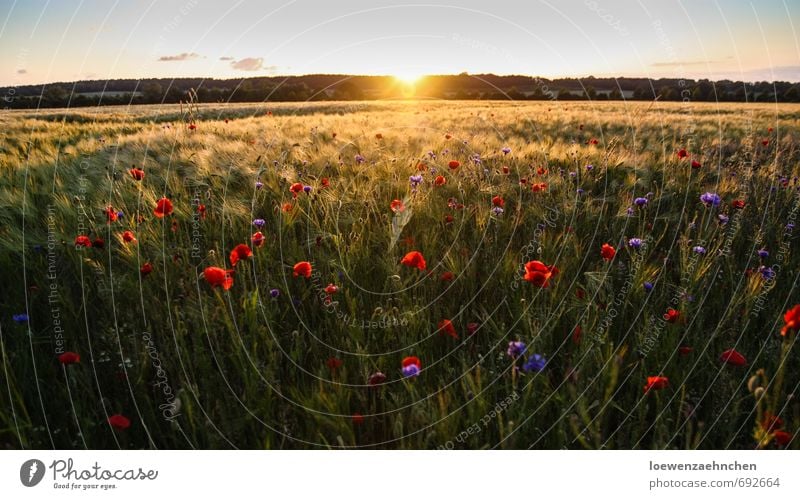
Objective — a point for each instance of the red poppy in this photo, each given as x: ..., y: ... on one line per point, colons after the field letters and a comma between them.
x: 733, y: 358
x: 412, y: 360
x: 576, y: 334
x: 594, y: 142
x: 397, y: 206
x: 128, y: 236
x: 539, y: 274
x: 439, y: 180
x: 325, y: 182
x: 287, y: 207
x: 523, y: 181
x: 792, y: 320
x: 378, y: 136
x: 358, y: 419
x: 682, y: 153
x: 333, y: 363
x: 119, y: 422
x: 421, y: 167
x: 696, y: 164
x: 257, y: 239
x: 453, y: 164
x: 506, y: 170
x: 580, y: 293
x: 447, y: 276
x: 472, y: 328
x: 656, y: 383
x: 541, y: 171
x: 83, y: 241
x: 296, y: 188
x: 772, y: 422
x: 770, y: 129
x: 685, y: 350
x: 216, y: 276
x: 331, y: 289
x: 192, y: 126
x: 765, y: 142
x: 781, y: 437
x: 240, y: 252
x: 377, y: 378
x: 163, y: 207
x: 498, y: 201
x: 448, y: 136
x: 98, y: 243
x: 136, y: 173
x: 111, y: 214
x: 672, y: 315
x: 146, y: 269
x: 414, y: 259
x: 68, y: 358
x: 540, y: 187
x: 738, y: 204
x: 446, y: 327
x: 607, y: 252
x: 302, y: 269
x: 201, y: 210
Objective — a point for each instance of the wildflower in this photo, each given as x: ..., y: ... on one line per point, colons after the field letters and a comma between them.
x: 68, y: 358
x: 415, y: 180
x: 333, y: 363
x: 710, y: 199
x: 257, y: 239
x: 538, y: 273
x: 656, y: 383
x: 535, y: 363
x: 216, y: 276
x: 274, y: 292
x: 378, y: 136
x: 325, y: 182
x: 723, y: 219
x: 763, y: 253
x: 589, y: 168
x: 302, y: 269
x: 453, y: 164
x: 397, y: 206
x: 607, y: 252
x: 635, y: 243
x: 20, y: 318
x: 792, y: 320
x: 640, y: 202
x: 472, y: 328
x: 446, y: 327
x: 540, y: 187
x: 672, y: 315
x: 118, y: 421
x: 83, y: 241
x: 696, y: 164
x: 738, y: 204
x: 307, y: 189
x: 259, y: 223
x: 111, y: 214
x: 414, y: 259
x: 411, y: 366
x: 376, y: 378
x: 192, y: 126
x: 136, y: 173
x: 648, y: 286
x: 146, y: 269
x: 128, y: 236
x: 498, y: 201
x: 240, y: 252
x: 781, y: 437
x: 733, y: 358
x: 286, y: 208
x: 685, y: 350
x: 682, y: 153
x: 163, y: 208
x: 259, y: 185
x: 359, y: 159
x: 699, y: 250
x: 295, y: 188
x: 439, y: 180
x: 331, y: 289
x: 515, y: 349
x: 497, y: 211
x: 506, y: 150
x: 447, y: 276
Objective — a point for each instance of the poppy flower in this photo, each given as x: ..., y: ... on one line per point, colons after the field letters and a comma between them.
x: 772, y: 422
x: 295, y: 188
x: 83, y: 241
x: 216, y: 276
x: 331, y: 289
x: 146, y: 269
x: 696, y: 164
x: 506, y: 170
x: 411, y: 366
x: 257, y: 239
x: 733, y: 358
x: 358, y: 419
x: 302, y: 269
x: 792, y: 320
x: 287, y: 207
x: 576, y: 334
x: 738, y: 204
x: 453, y: 164
x: 685, y: 350
x: 201, y: 210
x: 765, y: 142
x: 498, y: 201
x: 397, y: 206
x: 68, y: 358
x: 333, y: 363
x: 240, y: 252
x: 446, y: 327
x: 119, y: 422
x: 136, y: 173
x: 540, y: 187
x: 607, y: 252
x: 192, y: 126
x: 163, y: 208
x: 656, y: 383
x: 439, y: 180
x: 472, y: 328
x: 538, y: 273
x: 98, y: 243
x: 682, y: 153
x: 378, y: 136
x: 128, y: 236
x: 541, y: 171
x: 376, y: 379
x: 447, y: 276
x: 414, y: 259
x: 111, y: 214
x: 447, y: 136
x: 593, y: 142
x: 781, y: 437
x: 672, y: 315
x: 325, y: 182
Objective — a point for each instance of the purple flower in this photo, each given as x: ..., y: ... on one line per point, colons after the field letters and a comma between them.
x: 789, y: 226
x: 629, y: 211
x: 589, y: 168
x: 573, y: 174
x: 580, y: 191
x: 515, y: 348
x: 497, y: 211
x: 640, y: 201
x: 259, y: 185
x: 410, y: 370
x: 259, y: 222
x: 723, y: 219
x: 415, y: 180
x: 635, y: 242
x: 359, y: 159
x: 306, y: 189
x: 120, y: 214
x: 535, y: 363
x: 766, y: 272
x: 763, y: 253
x: 648, y: 286
x: 20, y: 318
x: 699, y: 250
x: 274, y: 292
x: 506, y: 150
x: 710, y: 199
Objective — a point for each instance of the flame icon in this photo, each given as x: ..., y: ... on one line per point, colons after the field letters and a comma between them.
x: 31, y: 472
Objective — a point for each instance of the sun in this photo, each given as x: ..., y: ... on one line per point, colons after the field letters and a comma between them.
x: 409, y: 77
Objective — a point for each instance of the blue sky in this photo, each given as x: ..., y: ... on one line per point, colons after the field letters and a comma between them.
x: 63, y: 40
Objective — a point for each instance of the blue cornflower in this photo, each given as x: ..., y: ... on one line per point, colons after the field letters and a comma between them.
x: 516, y: 348
x: 506, y: 150
x: 766, y: 272
x: 763, y: 253
x: 411, y: 370
x: 306, y: 189
x: 275, y: 292
x: 648, y: 286
x: 640, y: 202
x: 20, y: 318
x: 535, y: 363
x: 710, y: 199
x: 415, y: 180
x: 259, y: 185
x: 580, y: 191
x: 359, y: 159
x: 699, y: 250
x: 259, y: 222
x: 723, y: 219
x: 589, y: 168
x: 497, y: 211
x: 635, y: 242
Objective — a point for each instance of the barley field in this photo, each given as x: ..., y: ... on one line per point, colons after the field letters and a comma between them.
x: 400, y: 275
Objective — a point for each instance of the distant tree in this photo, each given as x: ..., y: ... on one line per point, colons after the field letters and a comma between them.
x: 792, y: 95
x: 615, y: 94
x: 152, y: 92
x: 591, y: 93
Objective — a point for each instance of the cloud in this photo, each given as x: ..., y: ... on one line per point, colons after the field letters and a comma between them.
x: 673, y: 64
x: 248, y: 64
x: 225, y: 58
x: 22, y: 71
x: 180, y: 57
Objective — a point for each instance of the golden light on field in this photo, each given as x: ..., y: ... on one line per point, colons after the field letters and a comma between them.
x: 409, y: 77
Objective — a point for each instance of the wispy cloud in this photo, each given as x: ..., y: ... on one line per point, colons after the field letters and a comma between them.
x: 22, y: 71
x: 248, y: 64
x: 675, y: 64
x: 185, y: 56
x: 226, y: 58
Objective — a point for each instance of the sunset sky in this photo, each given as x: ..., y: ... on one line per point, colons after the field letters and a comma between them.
x: 63, y: 40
